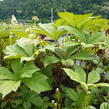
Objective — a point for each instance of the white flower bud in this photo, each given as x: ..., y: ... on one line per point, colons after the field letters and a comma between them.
x: 57, y: 89
x: 53, y: 101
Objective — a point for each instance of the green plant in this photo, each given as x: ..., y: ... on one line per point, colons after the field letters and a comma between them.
x: 26, y: 73
x: 69, y: 73
x: 51, y: 30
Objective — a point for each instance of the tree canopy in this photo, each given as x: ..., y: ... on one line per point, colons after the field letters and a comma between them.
x: 25, y: 9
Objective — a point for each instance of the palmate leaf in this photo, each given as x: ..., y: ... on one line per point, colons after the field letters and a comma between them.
x: 85, y: 22
x: 79, y: 75
x: 96, y: 24
x: 38, y: 101
x: 80, y: 20
x: 38, y: 82
x: 23, y: 48
x: 95, y: 38
x: 41, y: 31
x: 93, y: 76
x: 69, y: 50
x: 9, y: 81
x: 80, y: 71
x: 65, y: 51
x: 75, y: 20
x: 51, y: 30
x: 24, y: 70
x: 7, y: 86
x: 84, y: 55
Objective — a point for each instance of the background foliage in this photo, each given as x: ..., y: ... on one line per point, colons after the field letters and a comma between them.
x: 25, y: 9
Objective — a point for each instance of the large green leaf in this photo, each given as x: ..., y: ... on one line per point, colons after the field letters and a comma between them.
x: 16, y: 66
x: 23, y: 48
x: 19, y: 71
x: 85, y: 22
x: 77, y: 32
x: 28, y: 69
x: 88, y: 38
x: 51, y: 30
x: 78, y: 75
x: 24, y: 70
x: 69, y: 50
x: 6, y: 74
x: 38, y: 83
x: 65, y: 52
x: 93, y: 77
x: 81, y: 72
x: 95, y: 38
x: 75, y: 20
x: 67, y: 62
x: 70, y: 93
x: 104, y: 105
x: 27, y: 45
x: 96, y: 24
x: 7, y: 86
x: 50, y: 60
x: 14, y: 51
x: 68, y: 17
x: 84, y: 55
